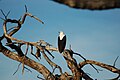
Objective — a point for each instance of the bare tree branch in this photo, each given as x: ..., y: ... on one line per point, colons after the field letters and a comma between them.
x: 27, y: 61
x: 43, y: 47
x: 17, y: 68
x: 91, y: 4
x: 105, y: 66
x: 78, y: 73
x: 115, y: 60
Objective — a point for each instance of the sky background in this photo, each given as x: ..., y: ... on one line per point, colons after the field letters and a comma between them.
x: 93, y: 34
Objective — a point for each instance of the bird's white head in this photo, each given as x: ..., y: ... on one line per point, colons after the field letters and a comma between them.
x: 61, y: 35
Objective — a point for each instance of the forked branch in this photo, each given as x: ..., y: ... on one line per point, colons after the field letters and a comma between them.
x: 43, y: 47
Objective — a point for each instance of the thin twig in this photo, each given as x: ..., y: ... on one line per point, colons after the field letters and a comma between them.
x: 85, y: 60
x: 7, y: 14
x: 24, y: 58
x: 32, y: 52
x: 49, y: 53
x: 26, y: 9
x: 51, y: 63
x: 28, y: 69
x: 2, y: 18
x: 28, y: 14
x: 3, y: 13
x: 17, y: 68
x: 115, y: 61
x: 11, y: 28
x: 105, y: 66
x: 80, y: 56
x: 40, y: 78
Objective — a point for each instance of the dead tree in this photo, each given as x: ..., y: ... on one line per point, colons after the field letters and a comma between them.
x: 42, y: 48
x: 91, y: 4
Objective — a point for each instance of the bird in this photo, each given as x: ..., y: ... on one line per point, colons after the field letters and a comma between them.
x: 61, y: 41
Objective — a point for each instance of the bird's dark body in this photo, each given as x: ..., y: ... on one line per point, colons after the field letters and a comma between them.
x: 61, y: 44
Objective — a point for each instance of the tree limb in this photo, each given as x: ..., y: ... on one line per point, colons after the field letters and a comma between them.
x: 77, y: 72
x: 27, y: 61
x: 105, y: 66
x: 42, y: 47
x: 91, y: 4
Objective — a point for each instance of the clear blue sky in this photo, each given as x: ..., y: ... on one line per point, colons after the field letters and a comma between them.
x: 93, y: 34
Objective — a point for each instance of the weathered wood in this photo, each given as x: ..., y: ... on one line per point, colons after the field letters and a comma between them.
x: 76, y: 69
x: 103, y: 65
x: 29, y: 62
x: 91, y: 4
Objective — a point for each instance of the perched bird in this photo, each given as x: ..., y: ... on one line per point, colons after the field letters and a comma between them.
x: 61, y: 41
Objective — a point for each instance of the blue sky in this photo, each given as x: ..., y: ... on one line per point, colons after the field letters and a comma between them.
x: 93, y: 34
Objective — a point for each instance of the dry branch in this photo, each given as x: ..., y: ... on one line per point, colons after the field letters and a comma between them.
x: 91, y: 4
x: 21, y: 57
x: 77, y: 72
x: 27, y: 61
x: 105, y: 66
x: 41, y: 48
x: 37, y: 45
